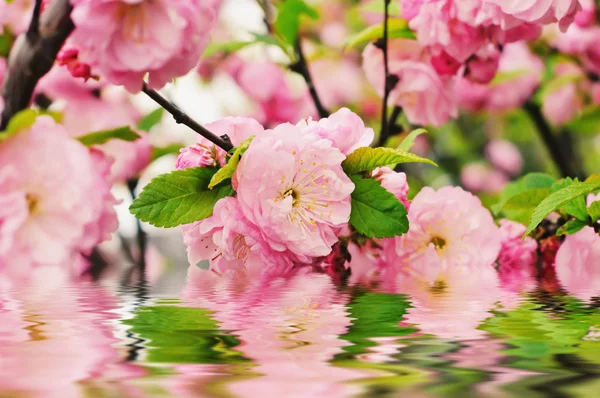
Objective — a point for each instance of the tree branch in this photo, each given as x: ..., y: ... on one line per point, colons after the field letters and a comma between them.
x: 551, y: 142
x: 389, y: 81
x: 33, y: 55
x: 301, y: 67
x: 182, y: 118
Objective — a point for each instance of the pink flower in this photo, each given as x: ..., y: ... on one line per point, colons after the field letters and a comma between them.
x: 292, y: 186
x: 516, y: 59
x: 448, y: 228
x: 394, y: 182
x: 596, y: 93
x: 504, y: 155
x: 204, y: 153
x: 277, y: 101
x: 577, y: 264
x: 125, y: 39
x: 587, y: 16
x: 565, y: 103
x: 339, y: 81
x: 478, y: 177
x: 231, y: 242
x: 85, y: 114
x: 345, y: 129
x: 425, y: 97
x: 516, y: 251
x: 482, y: 67
x: 68, y: 202
x: 540, y: 12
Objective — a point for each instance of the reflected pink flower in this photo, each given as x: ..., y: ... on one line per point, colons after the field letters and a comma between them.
x: 115, y: 38
x: 204, y: 153
x: 344, y: 128
x: 425, y: 97
x: 290, y: 329
x: 292, y: 186
x: 449, y: 228
x: 577, y: 264
x: 66, y: 200
x: 453, y: 304
x: 504, y: 155
x: 61, y: 337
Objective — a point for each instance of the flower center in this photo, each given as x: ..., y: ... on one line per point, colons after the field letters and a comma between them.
x: 439, y: 286
x: 438, y: 242
x: 134, y: 21
x: 240, y: 248
x: 32, y: 202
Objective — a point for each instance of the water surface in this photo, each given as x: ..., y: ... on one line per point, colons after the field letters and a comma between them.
x: 301, y: 337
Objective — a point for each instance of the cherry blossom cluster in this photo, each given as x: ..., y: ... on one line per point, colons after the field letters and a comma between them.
x: 292, y: 195
x: 461, y: 46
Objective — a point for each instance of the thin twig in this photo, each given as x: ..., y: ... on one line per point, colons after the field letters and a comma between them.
x: 266, y: 6
x: 393, y: 127
x: 32, y: 55
x: 389, y: 84
x: 182, y: 118
x: 563, y: 164
x: 301, y: 67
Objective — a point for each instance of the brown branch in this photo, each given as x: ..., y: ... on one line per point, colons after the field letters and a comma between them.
x: 182, y: 118
x: 33, y: 55
x: 301, y: 67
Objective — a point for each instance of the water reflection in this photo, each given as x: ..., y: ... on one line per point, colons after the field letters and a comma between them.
x: 301, y: 335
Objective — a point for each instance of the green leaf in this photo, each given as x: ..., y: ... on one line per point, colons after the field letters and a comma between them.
x: 170, y: 149
x: 505, y: 77
x: 379, y: 6
x: 397, y: 29
x: 179, y: 197
x: 571, y: 227
x: 576, y: 207
x: 227, y: 171
x: 558, y: 199
x: 588, y: 122
x: 366, y: 159
x: 520, y: 207
x: 408, y: 142
x: 124, y: 133
x: 594, y: 211
x: 287, y: 23
x: 376, y: 213
x: 19, y: 122
x: 529, y: 181
x: 151, y: 120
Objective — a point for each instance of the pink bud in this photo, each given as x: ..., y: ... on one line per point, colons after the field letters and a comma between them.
x: 67, y: 55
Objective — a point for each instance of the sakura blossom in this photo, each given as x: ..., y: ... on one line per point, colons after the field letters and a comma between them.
x: 440, y: 238
x: 116, y: 40
x: 417, y: 80
x: 54, y: 216
x: 302, y: 198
